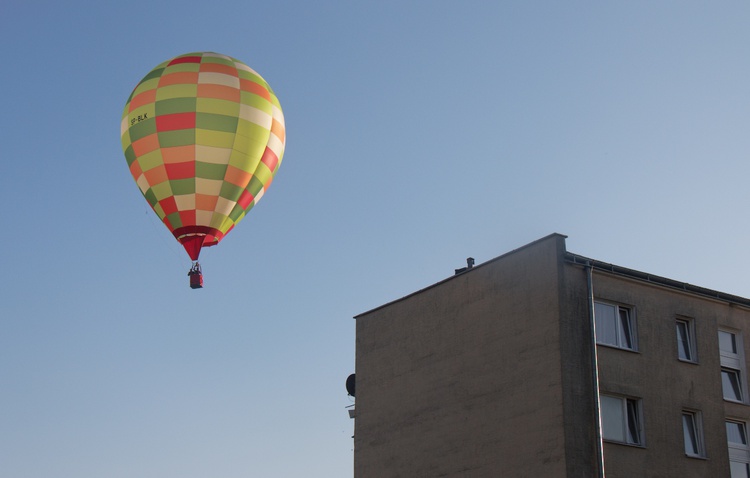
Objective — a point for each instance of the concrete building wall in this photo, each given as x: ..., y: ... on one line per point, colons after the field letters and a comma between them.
x: 665, y: 384
x: 490, y: 374
x: 576, y: 346
x: 464, y: 378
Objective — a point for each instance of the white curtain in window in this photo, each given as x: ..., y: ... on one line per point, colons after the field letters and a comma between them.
x: 606, y: 324
x: 613, y: 425
x: 739, y: 470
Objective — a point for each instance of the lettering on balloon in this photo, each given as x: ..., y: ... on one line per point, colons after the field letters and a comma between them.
x: 138, y: 119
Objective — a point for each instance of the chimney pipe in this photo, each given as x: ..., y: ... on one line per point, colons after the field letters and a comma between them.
x: 469, y: 265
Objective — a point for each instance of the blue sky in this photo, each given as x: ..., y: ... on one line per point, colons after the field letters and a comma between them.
x: 418, y: 134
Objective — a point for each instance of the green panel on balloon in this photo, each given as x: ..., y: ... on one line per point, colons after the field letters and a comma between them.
x: 230, y: 191
x: 141, y: 129
x: 155, y: 73
x: 159, y: 211
x: 236, y: 213
x: 175, y: 105
x: 215, y: 139
x: 174, y: 219
x: 216, y: 122
x: 217, y: 220
x: 209, y: 170
x: 251, y: 99
x: 263, y: 174
x: 249, y: 75
x: 180, y: 187
x: 129, y: 154
x: 162, y: 190
x: 217, y: 106
x: 151, y: 198
x: 255, y: 186
x: 150, y: 160
x: 147, y: 85
x: 183, y: 68
x: 181, y: 137
x: 176, y: 91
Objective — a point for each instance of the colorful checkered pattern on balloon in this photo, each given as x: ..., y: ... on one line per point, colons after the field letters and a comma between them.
x: 203, y: 135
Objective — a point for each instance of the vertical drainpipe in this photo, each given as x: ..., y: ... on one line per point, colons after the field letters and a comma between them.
x: 595, y: 371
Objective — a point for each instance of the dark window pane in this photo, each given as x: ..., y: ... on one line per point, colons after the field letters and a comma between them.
x: 634, y: 432
x: 626, y: 331
x: 730, y: 382
x: 736, y: 433
x: 690, y: 436
x: 727, y: 342
x: 683, y: 341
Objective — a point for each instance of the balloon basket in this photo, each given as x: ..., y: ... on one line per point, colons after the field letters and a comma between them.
x: 196, y: 277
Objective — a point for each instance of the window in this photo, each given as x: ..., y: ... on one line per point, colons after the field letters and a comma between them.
x: 727, y: 342
x: 730, y: 384
x: 615, y: 326
x: 692, y: 432
x: 739, y: 451
x: 732, y: 366
x: 621, y: 419
x: 736, y: 433
x: 739, y: 469
x: 686, y: 340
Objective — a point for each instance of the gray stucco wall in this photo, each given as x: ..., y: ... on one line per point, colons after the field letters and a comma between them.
x: 489, y: 374
x: 464, y: 378
x: 666, y: 385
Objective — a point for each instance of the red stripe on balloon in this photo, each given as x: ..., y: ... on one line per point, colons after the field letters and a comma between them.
x: 168, y: 205
x: 175, y: 121
x: 269, y: 159
x: 187, y: 217
x: 245, y: 199
x: 184, y: 170
x: 185, y: 59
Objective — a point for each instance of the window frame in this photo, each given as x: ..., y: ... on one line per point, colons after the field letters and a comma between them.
x: 695, y: 420
x: 739, y: 452
x: 733, y: 364
x: 689, y: 342
x: 630, y: 408
x: 619, y: 340
x: 735, y: 387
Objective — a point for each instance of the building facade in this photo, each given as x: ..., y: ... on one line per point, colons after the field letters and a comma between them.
x: 493, y: 372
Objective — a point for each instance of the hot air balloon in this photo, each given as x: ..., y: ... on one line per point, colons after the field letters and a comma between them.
x: 203, y: 135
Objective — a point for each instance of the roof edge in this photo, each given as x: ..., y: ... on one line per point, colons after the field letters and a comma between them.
x: 655, y: 279
x: 530, y: 244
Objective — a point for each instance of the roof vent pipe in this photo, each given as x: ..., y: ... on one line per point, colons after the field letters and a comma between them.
x: 469, y: 265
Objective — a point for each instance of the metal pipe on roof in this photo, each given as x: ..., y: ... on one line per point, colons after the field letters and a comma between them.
x: 595, y: 369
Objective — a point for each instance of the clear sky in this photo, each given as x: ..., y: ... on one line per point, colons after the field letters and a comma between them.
x: 419, y: 133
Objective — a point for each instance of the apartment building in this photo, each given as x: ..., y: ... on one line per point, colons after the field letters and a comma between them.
x: 545, y: 363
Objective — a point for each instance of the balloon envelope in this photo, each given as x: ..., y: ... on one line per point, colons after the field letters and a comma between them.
x: 203, y: 135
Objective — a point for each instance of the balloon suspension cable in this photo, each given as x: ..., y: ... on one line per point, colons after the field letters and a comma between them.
x: 196, y: 276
